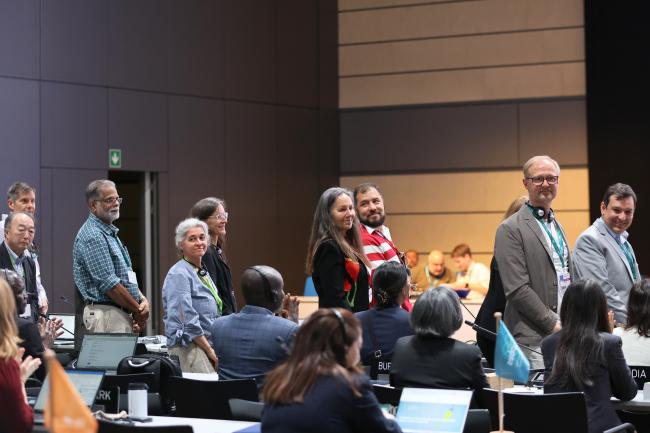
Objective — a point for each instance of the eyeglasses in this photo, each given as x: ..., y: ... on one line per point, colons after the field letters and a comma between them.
x: 539, y: 180
x: 413, y: 287
x: 111, y: 200
x: 220, y: 216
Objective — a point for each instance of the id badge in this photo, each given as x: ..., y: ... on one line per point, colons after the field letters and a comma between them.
x: 132, y: 278
x: 565, y: 280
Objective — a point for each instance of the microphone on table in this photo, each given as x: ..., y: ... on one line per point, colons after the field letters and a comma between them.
x: 47, y: 317
x: 489, y: 334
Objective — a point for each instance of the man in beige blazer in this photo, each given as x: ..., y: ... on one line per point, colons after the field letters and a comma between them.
x: 534, y: 260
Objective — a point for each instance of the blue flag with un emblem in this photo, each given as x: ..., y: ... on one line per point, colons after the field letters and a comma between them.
x: 509, y: 360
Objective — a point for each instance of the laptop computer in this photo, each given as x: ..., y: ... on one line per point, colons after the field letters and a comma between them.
x: 427, y: 410
x: 67, y: 338
x: 86, y: 382
x: 105, y: 351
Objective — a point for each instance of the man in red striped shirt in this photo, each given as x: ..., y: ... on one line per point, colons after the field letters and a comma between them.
x: 375, y: 236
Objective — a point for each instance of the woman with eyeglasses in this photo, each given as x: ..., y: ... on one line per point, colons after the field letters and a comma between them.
x: 335, y: 257
x: 387, y: 322
x: 212, y: 211
x: 191, y: 302
x: 15, y: 414
x: 320, y: 388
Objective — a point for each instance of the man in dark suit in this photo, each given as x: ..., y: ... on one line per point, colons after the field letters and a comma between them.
x: 19, y: 235
x: 250, y: 343
x: 533, y: 258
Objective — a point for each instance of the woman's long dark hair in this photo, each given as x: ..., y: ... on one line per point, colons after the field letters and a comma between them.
x: 584, y: 316
x: 319, y: 348
x: 638, y: 308
x: 388, y: 282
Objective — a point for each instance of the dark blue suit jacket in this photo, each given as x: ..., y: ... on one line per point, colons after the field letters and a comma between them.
x: 611, y: 378
x: 389, y: 324
x: 330, y: 406
x: 247, y: 342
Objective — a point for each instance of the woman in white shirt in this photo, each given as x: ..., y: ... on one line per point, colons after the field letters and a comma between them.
x: 636, y: 334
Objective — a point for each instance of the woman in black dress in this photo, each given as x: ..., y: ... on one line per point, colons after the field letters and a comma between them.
x: 335, y: 257
x: 212, y: 211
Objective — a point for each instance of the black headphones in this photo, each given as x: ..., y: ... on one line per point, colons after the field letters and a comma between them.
x: 271, y: 294
x: 341, y: 355
x: 201, y: 272
x: 540, y: 213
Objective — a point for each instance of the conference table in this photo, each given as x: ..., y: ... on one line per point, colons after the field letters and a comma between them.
x: 204, y: 425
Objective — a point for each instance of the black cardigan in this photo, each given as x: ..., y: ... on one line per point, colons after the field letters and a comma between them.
x: 220, y: 274
x: 329, y: 275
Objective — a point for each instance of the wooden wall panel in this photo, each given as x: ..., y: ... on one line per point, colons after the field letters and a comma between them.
x: 544, y: 46
x: 350, y: 5
x: 439, y: 211
x: 516, y: 82
x: 457, y: 18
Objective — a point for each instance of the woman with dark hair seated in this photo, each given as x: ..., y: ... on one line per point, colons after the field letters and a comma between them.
x: 387, y: 322
x: 431, y: 358
x: 636, y: 334
x: 584, y: 356
x: 320, y: 388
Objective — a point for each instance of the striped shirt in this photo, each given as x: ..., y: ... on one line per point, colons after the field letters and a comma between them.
x: 378, y: 246
x: 100, y: 261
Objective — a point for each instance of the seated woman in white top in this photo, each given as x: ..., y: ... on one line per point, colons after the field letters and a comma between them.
x: 636, y: 334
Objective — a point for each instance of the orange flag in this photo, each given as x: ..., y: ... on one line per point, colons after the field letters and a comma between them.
x: 65, y: 411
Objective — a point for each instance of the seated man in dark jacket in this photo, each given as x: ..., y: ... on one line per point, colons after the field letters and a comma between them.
x: 250, y: 343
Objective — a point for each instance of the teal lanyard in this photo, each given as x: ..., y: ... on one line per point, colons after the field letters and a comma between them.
x: 625, y: 247
x: 559, y: 249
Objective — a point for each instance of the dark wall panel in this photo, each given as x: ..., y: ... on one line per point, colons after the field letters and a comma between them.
x: 73, y: 126
x: 196, y: 44
x: 18, y: 133
x: 328, y: 148
x: 328, y: 51
x: 429, y: 138
x: 618, y: 89
x: 74, y: 41
x: 250, y: 31
x: 251, y: 186
x: 69, y: 211
x: 558, y: 128
x: 45, y: 230
x: 297, y: 133
x: 196, y: 153
x: 138, y: 51
x: 297, y: 52
x: 138, y: 126
x: 19, y: 45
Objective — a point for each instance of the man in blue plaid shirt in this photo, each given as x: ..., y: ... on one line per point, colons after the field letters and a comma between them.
x: 102, y: 267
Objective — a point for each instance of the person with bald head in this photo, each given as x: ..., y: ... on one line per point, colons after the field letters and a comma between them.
x: 252, y: 342
x: 433, y: 274
x: 14, y: 255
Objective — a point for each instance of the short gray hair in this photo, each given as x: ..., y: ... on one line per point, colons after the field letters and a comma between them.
x: 10, y: 219
x: 437, y: 313
x: 184, y: 226
x: 17, y: 189
x: 534, y: 159
x: 93, y: 188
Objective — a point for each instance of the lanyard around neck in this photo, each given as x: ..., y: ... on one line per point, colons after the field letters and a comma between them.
x: 207, y: 282
x: 559, y: 249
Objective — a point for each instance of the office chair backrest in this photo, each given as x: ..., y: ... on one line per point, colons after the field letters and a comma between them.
x: 532, y: 413
x: 209, y: 399
x: 387, y: 395
x: 244, y: 410
x: 478, y: 421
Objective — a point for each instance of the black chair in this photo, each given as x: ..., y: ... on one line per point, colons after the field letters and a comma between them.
x: 387, y: 394
x: 478, y: 421
x: 245, y: 410
x: 627, y: 427
x: 209, y: 399
x: 640, y: 374
x: 641, y: 420
x: 120, y: 427
x: 526, y: 412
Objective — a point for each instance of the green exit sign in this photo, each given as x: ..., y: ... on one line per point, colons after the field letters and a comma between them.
x: 115, y: 158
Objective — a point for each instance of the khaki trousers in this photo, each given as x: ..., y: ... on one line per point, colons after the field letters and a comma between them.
x: 106, y: 318
x: 193, y: 359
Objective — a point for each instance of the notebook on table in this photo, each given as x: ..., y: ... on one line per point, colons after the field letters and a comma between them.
x: 105, y: 351
x: 86, y: 382
x: 427, y: 410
